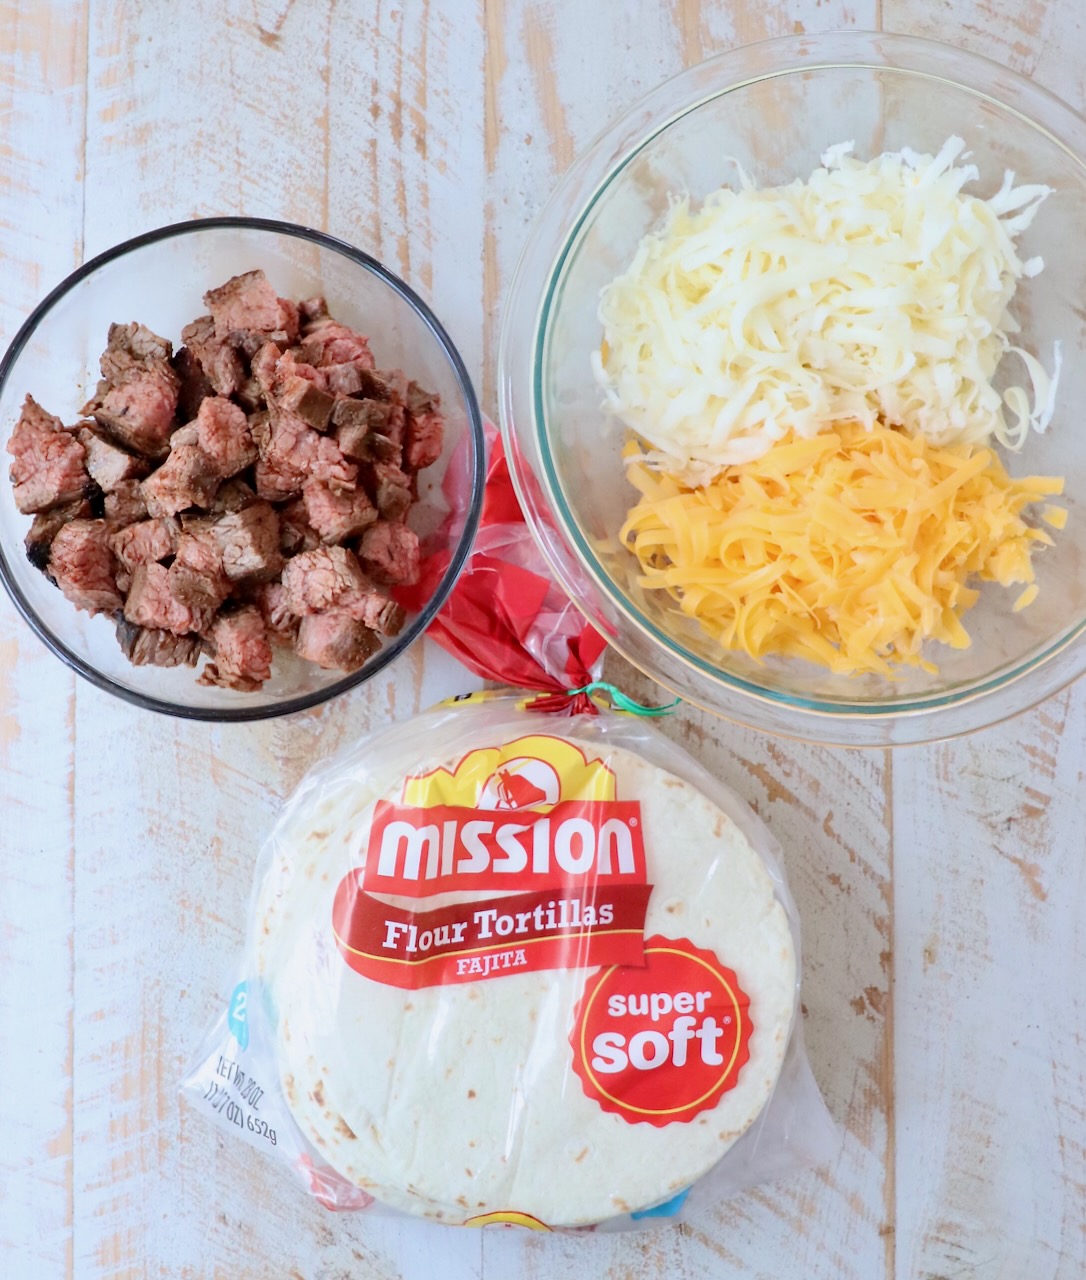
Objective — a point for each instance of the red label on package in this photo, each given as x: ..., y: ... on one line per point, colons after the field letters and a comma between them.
x: 420, y: 851
x: 518, y: 933
x: 661, y: 1043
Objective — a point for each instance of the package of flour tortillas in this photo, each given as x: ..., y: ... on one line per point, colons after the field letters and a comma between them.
x: 519, y: 959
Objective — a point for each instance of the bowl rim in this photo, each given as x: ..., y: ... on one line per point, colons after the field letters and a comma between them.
x: 591, y: 175
x: 417, y: 625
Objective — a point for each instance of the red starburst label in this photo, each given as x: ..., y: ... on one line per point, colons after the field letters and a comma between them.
x: 661, y: 1043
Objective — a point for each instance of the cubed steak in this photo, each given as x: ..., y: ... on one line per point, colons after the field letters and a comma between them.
x: 125, y: 505
x: 271, y: 599
x: 389, y: 552
x: 392, y: 490
x: 241, y: 654
x: 151, y: 603
x: 304, y: 398
x: 222, y: 432
x: 145, y: 646
x: 195, y: 385
x: 337, y: 515
x: 425, y: 429
x: 326, y: 342
x: 196, y: 579
x: 295, y: 532
x: 49, y: 467
x: 315, y: 580
x: 208, y: 360
x: 367, y: 430
x: 47, y: 524
x: 248, y: 543
x: 335, y: 641
x: 188, y: 478
x: 145, y: 541
x: 291, y: 453
x: 234, y: 495
x: 375, y: 609
x: 137, y: 398
x: 246, y: 310
x: 82, y: 565
x: 107, y: 463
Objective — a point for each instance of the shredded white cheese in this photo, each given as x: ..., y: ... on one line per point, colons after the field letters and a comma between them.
x: 871, y: 290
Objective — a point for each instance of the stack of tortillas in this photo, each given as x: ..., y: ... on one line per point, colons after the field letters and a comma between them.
x: 460, y: 1101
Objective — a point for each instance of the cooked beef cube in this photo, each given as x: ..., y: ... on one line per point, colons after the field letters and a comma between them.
x: 374, y: 608
x: 271, y: 599
x: 136, y: 400
x: 295, y: 532
x: 315, y: 580
x: 151, y: 603
x: 304, y: 398
x: 246, y: 311
x: 390, y: 552
x: 188, y: 434
x: 337, y: 515
x: 259, y: 427
x: 392, y: 490
x: 145, y: 646
x: 291, y: 453
x: 264, y: 366
x: 335, y: 641
x: 343, y: 379
x: 138, y: 414
x: 232, y: 496
x: 387, y: 385
x: 127, y: 344
x: 369, y: 430
x: 311, y: 310
x: 425, y: 438
x: 196, y: 386
x: 222, y: 431
x: 250, y: 395
x: 125, y: 505
x: 290, y: 320
x: 327, y: 342
x: 188, y: 478
x: 244, y: 302
x: 197, y: 580
x: 393, y: 499
x: 107, y: 464
x: 248, y: 543
x: 49, y: 467
x: 240, y: 649
x: 219, y: 362
x: 47, y: 524
x: 81, y: 564
x: 146, y: 541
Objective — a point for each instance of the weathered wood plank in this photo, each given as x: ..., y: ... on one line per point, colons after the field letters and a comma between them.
x: 42, y: 54
x: 556, y: 75
x: 355, y: 119
x: 989, y: 988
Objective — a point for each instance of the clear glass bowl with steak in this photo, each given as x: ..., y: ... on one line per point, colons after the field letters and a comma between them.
x: 233, y: 485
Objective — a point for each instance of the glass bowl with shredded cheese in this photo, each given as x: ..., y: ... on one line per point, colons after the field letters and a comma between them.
x: 789, y: 381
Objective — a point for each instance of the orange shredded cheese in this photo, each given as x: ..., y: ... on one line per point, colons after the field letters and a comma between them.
x: 849, y: 548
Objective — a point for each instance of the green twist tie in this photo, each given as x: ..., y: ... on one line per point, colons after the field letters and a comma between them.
x: 621, y: 702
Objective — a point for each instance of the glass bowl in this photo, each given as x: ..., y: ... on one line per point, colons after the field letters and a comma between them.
x: 159, y: 279
x: 775, y: 107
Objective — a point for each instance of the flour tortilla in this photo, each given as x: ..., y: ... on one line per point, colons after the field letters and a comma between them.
x: 456, y: 1101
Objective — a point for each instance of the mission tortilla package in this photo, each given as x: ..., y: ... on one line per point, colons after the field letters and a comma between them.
x: 505, y: 966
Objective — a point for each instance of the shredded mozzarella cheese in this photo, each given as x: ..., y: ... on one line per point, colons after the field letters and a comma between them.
x: 871, y: 291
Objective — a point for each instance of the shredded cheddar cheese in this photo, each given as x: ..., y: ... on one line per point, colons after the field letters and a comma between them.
x: 849, y: 549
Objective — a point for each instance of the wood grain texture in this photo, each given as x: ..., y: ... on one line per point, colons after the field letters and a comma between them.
x: 42, y: 57
x: 991, y: 1099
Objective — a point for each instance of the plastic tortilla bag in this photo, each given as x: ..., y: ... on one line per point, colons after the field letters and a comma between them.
x: 511, y: 967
